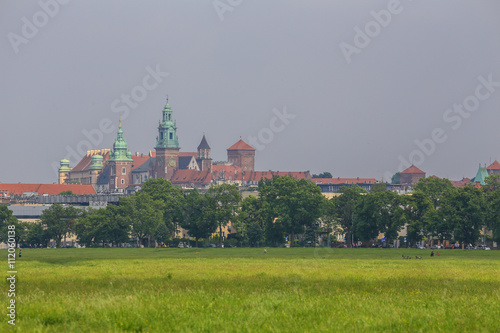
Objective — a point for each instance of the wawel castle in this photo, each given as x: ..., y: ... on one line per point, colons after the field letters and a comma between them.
x: 118, y: 170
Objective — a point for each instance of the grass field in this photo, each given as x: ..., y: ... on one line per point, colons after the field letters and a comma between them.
x: 245, y: 290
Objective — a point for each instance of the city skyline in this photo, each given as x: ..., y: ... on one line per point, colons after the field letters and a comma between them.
x: 363, y: 89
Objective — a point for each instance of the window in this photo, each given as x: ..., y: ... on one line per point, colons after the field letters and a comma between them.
x: 171, y: 136
x: 123, y: 181
x: 124, y: 171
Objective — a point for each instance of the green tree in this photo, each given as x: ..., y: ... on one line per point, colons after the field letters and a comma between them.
x: 102, y: 226
x: 391, y: 216
x: 172, y: 198
x: 223, y: 203
x: 162, y: 234
x: 328, y: 222
x: 59, y: 221
x: 35, y: 235
x: 345, y: 207
x: 274, y: 230
x: 492, y: 182
x: 297, y: 203
x: 434, y: 188
x: 378, y: 187
x: 251, y: 220
x: 421, y: 216
x: 439, y: 225
x: 493, y: 213
x: 323, y: 175
x: 465, y: 209
x: 144, y: 214
x: 396, y: 178
x: 365, y: 223
x: 196, y: 216
x: 6, y: 219
x: 254, y: 233
x: 66, y: 193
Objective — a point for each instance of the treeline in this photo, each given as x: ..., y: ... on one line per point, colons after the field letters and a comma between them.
x: 285, y: 208
x: 435, y: 210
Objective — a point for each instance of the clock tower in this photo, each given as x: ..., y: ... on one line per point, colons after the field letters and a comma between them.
x: 167, y: 146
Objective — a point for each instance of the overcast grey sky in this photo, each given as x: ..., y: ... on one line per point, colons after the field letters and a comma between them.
x: 359, y: 101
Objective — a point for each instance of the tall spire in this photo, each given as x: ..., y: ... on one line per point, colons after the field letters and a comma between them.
x: 203, y: 144
x: 481, y: 175
x: 167, y: 130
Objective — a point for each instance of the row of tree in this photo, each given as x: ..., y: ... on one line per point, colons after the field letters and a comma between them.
x: 284, y: 208
x: 436, y: 209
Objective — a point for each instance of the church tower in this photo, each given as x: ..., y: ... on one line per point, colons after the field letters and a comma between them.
x: 204, y: 154
x: 120, y: 162
x: 95, y: 168
x: 64, y: 171
x: 167, y: 146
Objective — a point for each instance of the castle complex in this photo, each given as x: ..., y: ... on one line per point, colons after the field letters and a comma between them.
x: 118, y: 170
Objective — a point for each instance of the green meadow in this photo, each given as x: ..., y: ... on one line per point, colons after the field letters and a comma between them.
x: 245, y: 290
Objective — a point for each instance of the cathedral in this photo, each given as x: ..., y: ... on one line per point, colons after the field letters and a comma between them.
x: 118, y: 170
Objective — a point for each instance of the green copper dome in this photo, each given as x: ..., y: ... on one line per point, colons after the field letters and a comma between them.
x: 96, y: 162
x: 120, y: 148
x: 64, y: 166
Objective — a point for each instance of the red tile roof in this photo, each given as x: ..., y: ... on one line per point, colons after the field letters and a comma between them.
x: 413, y: 169
x: 241, y: 145
x: 86, y: 161
x: 50, y: 189
x: 460, y: 183
x: 188, y: 177
x: 256, y: 176
x: 183, y: 154
x: 339, y: 180
x: 140, y: 159
x: 19, y: 188
x: 494, y: 166
x: 230, y: 172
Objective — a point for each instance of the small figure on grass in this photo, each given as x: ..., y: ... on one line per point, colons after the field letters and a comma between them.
x: 432, y: 253
x: 437, y: 254
x: 20, y: 253
x: 265, y: 250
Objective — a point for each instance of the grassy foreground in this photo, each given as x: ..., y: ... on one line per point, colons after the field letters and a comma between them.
x: 245, y: 290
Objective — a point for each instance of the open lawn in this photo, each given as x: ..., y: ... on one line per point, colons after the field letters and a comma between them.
x: 245, y: 290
